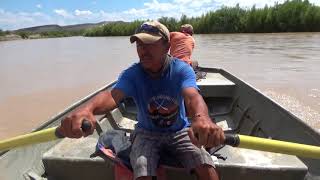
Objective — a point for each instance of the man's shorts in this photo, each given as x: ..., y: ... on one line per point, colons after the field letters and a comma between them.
x: 146, y: 146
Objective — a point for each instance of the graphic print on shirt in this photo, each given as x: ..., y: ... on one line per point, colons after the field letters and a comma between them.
x: 163, y: 110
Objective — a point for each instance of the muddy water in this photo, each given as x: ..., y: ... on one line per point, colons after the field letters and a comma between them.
x: 39, y: 78
x: 284, y: 66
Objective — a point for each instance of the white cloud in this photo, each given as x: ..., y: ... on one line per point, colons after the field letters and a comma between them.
x: 317, y: 2
x: 198, y: 4
x: 111, y: 16
x: 39, y: 6
x: 136, y: 13
x: 63, y: 13
x: 156, y: 6
x: 10, y: 20
x: 155, y: 9
x: 82, y: 13
x: 192, y: 2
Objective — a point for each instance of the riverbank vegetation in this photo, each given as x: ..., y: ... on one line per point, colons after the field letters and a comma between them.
x: 48, y: 34
x: 290, y: 16
x: 3, y: 33
x: 52, y: 34
x: 7, y: 35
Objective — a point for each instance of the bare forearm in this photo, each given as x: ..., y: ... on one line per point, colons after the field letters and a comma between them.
x: 196, y: 106
x: 203, y: 131
x: 101, y: 103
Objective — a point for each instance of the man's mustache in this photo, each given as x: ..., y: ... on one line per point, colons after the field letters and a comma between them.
x: 146, y: 57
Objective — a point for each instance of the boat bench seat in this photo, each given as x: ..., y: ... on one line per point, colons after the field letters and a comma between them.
x: 119, y: 122
x: 216, y: 85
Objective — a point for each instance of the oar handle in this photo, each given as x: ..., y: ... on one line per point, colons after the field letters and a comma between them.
x: 85, y: 126
x: 232, y: 139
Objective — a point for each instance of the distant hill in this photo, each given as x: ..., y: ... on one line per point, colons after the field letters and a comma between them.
x: 54, y: 27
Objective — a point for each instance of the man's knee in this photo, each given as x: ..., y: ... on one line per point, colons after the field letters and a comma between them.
x: 144, y: 178
x: 206, y: 172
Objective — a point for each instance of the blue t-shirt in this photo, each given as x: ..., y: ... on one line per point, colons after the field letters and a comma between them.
x: 159, y: 101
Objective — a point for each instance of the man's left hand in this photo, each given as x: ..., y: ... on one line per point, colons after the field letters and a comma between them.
x: 204, y: 132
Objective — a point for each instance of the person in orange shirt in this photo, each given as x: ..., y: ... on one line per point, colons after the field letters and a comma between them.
x: 182, y: 43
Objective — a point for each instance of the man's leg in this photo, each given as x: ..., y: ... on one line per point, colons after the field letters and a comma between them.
x: 145, y: 178
x: 144, y: 156
x: 192, y: 157
x: 206, y: 172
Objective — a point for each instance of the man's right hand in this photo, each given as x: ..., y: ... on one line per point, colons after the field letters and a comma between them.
x: 103, y: 102
x: 71, y: 125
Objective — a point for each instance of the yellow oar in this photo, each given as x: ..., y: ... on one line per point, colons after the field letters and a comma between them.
x: 36, y: 137
x: 234, y: 140
x: 263, y: 144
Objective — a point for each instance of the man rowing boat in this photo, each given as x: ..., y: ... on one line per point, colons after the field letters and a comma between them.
x: 163, y: 88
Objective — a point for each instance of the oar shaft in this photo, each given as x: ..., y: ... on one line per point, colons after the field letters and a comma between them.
x: 277, y: 146
x: 27, y: 139
x: 263, y: 144
x: 38, y: 137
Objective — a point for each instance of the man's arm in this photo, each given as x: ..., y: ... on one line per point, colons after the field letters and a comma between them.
x: 203, y: 131
x: 103, y: 102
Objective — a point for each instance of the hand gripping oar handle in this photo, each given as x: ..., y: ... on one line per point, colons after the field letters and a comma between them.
x: 263, y: 144
x: 37, y: 137
x: 85, y: 126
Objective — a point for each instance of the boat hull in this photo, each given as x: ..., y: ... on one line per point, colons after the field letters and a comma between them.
x: 235, y: 105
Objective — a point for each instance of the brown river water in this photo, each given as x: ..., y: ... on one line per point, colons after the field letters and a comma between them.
x: 39, y: 78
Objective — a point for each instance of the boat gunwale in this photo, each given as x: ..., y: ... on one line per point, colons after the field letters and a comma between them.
x: 226, y: 74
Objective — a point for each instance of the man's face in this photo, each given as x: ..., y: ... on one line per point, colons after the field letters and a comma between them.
x: 152, y: 55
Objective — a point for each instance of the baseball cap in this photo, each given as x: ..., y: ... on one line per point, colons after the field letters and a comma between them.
x: 187, y: 28
x: 150, y: 32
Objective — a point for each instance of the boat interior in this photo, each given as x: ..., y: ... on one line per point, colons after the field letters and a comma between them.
x: 233, y: 104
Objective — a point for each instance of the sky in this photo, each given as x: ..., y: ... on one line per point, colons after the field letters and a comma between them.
x: 16, y: 14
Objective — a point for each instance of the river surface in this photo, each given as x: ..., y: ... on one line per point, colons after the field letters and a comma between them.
x: 39, y: 78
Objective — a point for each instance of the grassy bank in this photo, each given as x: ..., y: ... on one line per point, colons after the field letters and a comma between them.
x: 290, y: 16
x: 7, y: 35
